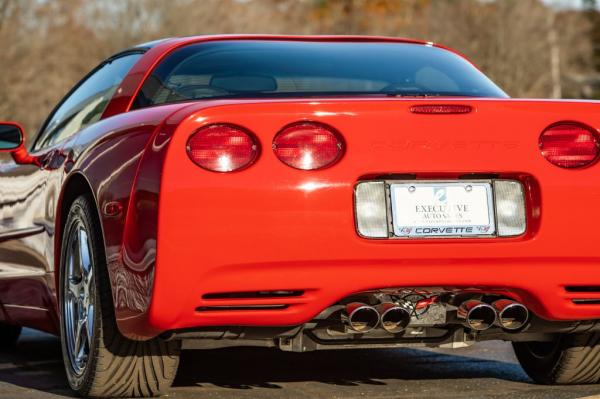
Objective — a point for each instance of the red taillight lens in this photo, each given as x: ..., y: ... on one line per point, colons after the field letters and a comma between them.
x: 308, y: 146
x: 222, y: 148
x: 569, y: 145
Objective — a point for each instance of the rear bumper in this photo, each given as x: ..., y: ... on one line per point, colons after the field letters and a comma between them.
x: 539, y: 284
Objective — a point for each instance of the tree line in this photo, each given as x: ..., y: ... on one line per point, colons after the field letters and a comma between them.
x: 526, y: 46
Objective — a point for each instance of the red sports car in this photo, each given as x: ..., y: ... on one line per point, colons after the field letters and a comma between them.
x: 303, y: 193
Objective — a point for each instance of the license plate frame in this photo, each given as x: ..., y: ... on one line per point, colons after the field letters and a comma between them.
x: 402, y: 225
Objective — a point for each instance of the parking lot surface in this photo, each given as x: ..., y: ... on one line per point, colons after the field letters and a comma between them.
x: 488, y: 370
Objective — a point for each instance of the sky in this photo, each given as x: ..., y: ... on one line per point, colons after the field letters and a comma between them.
x: 565, y: 3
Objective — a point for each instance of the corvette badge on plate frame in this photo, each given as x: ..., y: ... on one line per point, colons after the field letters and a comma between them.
x: 442, y: 209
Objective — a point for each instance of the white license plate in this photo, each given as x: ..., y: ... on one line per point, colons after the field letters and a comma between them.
x: 423, y: 209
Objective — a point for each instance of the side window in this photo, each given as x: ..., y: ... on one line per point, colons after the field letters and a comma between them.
x: 87, y: 102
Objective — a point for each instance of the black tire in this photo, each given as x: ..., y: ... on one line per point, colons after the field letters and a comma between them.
x: 115, y: 365
x: 568, y: 359
x: 9, y: 335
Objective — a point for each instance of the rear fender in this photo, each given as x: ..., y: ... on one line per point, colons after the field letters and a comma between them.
x: 109, y: 154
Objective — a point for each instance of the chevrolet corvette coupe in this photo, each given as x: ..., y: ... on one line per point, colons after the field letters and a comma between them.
x: 300, y: 193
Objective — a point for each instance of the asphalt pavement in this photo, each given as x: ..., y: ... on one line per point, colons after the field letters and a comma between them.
x: 487, y: 370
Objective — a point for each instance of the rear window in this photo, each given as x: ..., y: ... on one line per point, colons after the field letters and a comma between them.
x: 271, y: 69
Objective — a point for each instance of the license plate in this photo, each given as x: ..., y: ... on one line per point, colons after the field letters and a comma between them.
x: 423, y: 209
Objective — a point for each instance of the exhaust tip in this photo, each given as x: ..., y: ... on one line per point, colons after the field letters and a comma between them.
x: 394, y: 318
x: 477, y: 315
x: 511, y: 315
x: 361, y: 318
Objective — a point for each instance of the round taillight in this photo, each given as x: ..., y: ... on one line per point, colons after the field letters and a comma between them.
x: 308, y: 146
x: 222, y: 148
x: 569, y: 145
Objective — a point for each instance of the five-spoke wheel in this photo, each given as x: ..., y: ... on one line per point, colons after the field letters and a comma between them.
x: 78, y: 309
x: 99, y: 360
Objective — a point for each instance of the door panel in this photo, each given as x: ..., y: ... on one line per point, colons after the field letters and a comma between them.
x: 27, y: 213
x: 22, y: 214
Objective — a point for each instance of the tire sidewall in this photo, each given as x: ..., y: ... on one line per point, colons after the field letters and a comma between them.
x: 80, y: 212
x: 541, y: 368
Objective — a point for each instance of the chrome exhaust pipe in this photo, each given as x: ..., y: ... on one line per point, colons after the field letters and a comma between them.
x: 511, y: 315
x: 476, y: 315
x: 394, y: 318
x: 360, y: 317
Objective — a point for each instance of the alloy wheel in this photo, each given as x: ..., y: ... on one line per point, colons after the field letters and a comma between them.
x: 78, y: 298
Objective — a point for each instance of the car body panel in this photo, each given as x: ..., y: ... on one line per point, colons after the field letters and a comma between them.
x: 28, y: 210
x: 123, y: 148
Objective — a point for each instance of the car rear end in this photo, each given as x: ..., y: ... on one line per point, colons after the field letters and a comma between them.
x: 273, y: 245
x: 375, y: 218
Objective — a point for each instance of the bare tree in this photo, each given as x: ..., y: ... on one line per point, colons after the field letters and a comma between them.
x: 48, y: 45
x: 3, y: 12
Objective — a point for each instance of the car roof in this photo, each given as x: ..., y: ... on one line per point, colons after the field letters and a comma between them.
x: 174, y: 42
x: 148, y: 45
x: 183, y: 40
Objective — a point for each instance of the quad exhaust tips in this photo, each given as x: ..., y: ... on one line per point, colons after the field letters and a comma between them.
x: 511, y: 315
x: 476, y: 315
x: 360, y: 317
x: 505, y: 313
x: 394, y: 318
